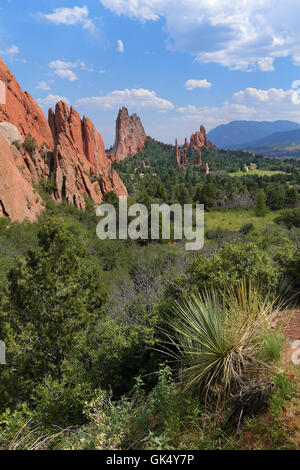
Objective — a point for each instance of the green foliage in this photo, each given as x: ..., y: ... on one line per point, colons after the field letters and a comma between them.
x: 213, y: 337
x: 17, y: 144
x: 274, y: 432
x: 61, y: 402
x: 260, y: 208
x: 29, y: 145
x: 15, y: 428
x: 270, y: 346
x: 229, y: 265
x: 53, y: 294
x: 47, y: 185
x: 289, y: 218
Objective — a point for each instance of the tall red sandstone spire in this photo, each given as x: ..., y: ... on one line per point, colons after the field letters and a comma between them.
x: 80, y: 158
x: 130, y: 135
x: 177, y: 155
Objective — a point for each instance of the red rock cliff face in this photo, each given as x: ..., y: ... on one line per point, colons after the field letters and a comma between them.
x: 73, y: 162
x: 80, y: 164
x: 18, y: 199
x: 22, y: 111
x: 130, y: 135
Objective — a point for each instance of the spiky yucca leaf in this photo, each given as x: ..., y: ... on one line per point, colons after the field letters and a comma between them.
x: 213, y: 335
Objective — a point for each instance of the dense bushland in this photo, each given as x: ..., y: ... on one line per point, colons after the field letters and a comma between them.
x: 116, y: 344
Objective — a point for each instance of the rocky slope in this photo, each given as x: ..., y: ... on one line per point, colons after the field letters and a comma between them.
x: 130, y: 136
x: 70, y: 157
x: 22, y: 111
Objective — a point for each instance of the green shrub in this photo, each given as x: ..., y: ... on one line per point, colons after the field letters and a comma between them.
x: 17, y: 144
x: 213, y: 337
x: 290, y: 218
x: 229, y: 265
x: 61, y: 403
x: 29, y: 144
x: 270, y: 346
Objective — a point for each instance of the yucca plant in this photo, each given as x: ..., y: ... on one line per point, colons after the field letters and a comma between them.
x: 213, y: 336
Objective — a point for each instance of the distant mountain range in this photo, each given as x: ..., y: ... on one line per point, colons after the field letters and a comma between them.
x: 268, y: 138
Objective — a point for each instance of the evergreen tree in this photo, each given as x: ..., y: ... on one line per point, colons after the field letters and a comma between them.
x: 53, y: 294
x: 260, y: 208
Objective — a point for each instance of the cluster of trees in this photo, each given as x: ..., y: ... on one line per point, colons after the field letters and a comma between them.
x: 160, y: 180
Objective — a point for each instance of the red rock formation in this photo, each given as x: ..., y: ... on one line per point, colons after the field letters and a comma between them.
x: 199, y: 140
x: 81, y: 166
x: 71, y: 155
x: 130, y: 135
x: 177, y: 155
x: 186, y: 144
x: 22, y: 111
x: 180, y: 156
x: 18, y: 200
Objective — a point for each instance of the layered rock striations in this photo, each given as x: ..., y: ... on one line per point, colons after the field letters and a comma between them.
x: 69, y: 156
x: 80, y: 164
x: 130, y: 135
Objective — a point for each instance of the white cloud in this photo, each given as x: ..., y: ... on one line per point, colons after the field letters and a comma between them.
x: 249, y: 104
x: 68, y: 74
x: 71, y: 16
x: 266, y: 64
x: 51, y: 100
x: 10, y: 51
x: 43, y: 85
x: 191, y: 84
x: 63, y: 69
x: 142, y: 9
x: 272, y: 95
x: 121, y: 47
x: 242, y: 35
x: 136, y: 98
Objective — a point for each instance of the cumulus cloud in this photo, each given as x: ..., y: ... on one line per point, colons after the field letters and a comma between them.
x: 272, y: 95
x: 192, y: 84
x: 244, y: 35
x: 10, y: 51
x: 249, y: 104
x: 51, y: 100
x: 43, y: 85
x: 63, y: 69
x: 70, y: 17
x: 136, y: 98
x: 120, y: 46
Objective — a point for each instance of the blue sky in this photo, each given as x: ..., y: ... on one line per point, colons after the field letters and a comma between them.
x: 176, y: 63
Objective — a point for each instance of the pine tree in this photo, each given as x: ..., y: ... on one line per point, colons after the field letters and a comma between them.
x: 53, y: 294
x: 261, y: 208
